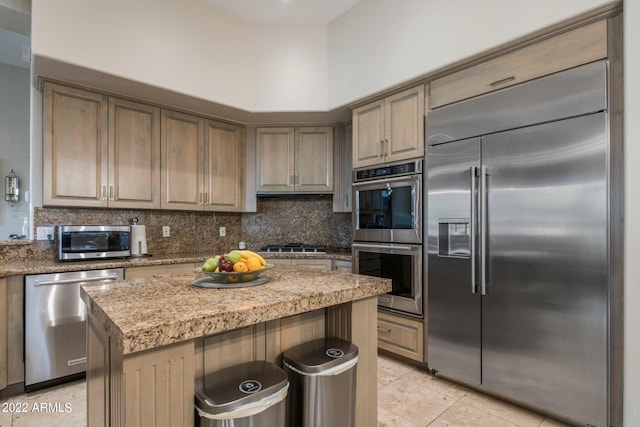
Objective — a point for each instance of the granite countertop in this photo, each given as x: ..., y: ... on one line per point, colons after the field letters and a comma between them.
x: 142, y: 314
x: 19, y: 268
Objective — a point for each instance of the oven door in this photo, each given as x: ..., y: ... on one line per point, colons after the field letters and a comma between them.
x: 388, y: 210
x: 398, y: 262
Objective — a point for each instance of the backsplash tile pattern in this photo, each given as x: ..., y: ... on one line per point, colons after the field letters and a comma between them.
x: 309, y: 220
x: 305, y: 219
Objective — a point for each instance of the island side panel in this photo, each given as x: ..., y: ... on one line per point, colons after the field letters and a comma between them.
x: 357, y: 322
x: 158, y: 386
x: 98, y: 365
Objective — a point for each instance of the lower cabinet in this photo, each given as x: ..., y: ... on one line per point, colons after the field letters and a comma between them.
x: 401, y: 335
x: 11, y: 331
x: 342, y: 265
x: 321, y: 263
x: 159, y: 270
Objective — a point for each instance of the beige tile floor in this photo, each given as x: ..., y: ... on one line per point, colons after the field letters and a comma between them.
x: 407, y: 397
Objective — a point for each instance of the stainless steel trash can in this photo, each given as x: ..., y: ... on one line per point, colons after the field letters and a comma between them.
x: 247, y: 395
x: 322, y: 375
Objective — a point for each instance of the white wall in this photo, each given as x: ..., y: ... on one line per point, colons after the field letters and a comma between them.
x: 181, y: 45
x: 380, y: 43
x: 14, y: 143
x: 290, y: 68
x: 632, y: 214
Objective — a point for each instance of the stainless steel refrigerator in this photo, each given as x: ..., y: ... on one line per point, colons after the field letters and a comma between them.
x: 518, y: 201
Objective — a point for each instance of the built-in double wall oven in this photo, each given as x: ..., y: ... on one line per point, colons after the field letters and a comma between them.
x: 387, y: 231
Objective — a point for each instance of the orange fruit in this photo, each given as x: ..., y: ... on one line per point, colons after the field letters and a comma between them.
x: 240, y: 267
x: 253, y: 263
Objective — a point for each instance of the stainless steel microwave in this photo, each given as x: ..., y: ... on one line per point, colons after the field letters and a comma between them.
x: 77, y: 242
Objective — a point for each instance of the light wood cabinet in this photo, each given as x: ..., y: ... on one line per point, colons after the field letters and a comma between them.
x: 11, y: 330
x: 3, y: 333
x: 342, y: 265
x: 401, y: 335
x: 566, y: 50
x: 321, y: 263
x: 342, y: 164
x: 75, y: 147
x: 159, y: 270
x: 294, y: 160
x: 389, y: 130
x: 99, y: 151
x: 202, y: 163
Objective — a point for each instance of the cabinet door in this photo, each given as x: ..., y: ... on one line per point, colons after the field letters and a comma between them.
x: 342, y: 265
x: 224, y: 151
x: 75, y: 147
x: 314, y: 160
x: 368, y: 134
x: 134, y: 155
x: 342, y: 179
x: 404, y: 125
x: 275, y: 160
x: 182, y: 161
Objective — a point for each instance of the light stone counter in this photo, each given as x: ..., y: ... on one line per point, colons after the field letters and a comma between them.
x: 153, y: 312
x: 148, y: 339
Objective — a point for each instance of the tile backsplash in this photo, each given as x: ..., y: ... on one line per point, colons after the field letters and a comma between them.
x: 305, y: 219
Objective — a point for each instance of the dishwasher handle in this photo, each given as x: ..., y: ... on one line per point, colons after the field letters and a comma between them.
x: 70, y: 281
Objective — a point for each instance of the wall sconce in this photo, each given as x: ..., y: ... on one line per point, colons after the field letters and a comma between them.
x: 11, y: 188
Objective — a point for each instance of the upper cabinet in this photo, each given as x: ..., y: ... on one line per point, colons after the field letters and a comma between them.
x: 390, y: 129
x: 294, y: 160
x: 342, y: 180
x: 580, y: 46
x: 202, y: 163
x: 99, y: 151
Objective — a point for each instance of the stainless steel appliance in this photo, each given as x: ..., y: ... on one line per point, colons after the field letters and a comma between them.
x: 519, y: 199
x: 93, y: 241
x: 400, y: 262
x: 54, y: 326
x: 387, y: 203
x: 387, y: 231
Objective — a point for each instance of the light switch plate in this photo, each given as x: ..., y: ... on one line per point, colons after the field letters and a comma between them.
x: 166, y: 231
x: 223, y: 231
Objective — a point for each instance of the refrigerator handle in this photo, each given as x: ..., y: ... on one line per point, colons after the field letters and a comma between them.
x: 483, y: 230
x: 474, y: 201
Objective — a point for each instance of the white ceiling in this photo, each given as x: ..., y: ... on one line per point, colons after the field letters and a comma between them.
x: 285, y: 12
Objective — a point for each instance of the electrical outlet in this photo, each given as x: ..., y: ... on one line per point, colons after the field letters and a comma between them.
x: 223, y: 231
x: 166, y: 231
x: 44, y: 233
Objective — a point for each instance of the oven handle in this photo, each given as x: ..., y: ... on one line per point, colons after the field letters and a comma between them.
x: 69, y: 281
x: 412, y: 177
x: 374, y: 246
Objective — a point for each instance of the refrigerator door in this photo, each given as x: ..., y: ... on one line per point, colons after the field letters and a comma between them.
x: 544, y: 316
x: 453, y: 304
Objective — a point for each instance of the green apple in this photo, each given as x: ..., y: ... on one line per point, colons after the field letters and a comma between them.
x: 211, y: 264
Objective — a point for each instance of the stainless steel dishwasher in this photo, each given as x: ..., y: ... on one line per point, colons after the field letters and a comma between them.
x: 55, y: 326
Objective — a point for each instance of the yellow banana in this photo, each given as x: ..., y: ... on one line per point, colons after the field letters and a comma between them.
x: 245, y: 253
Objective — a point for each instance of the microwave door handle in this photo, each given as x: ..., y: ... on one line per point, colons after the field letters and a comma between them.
x: 373, y: 246
x: 473, y: 171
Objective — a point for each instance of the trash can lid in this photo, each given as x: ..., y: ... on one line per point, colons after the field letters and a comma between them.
x: 232, y: 388
x: 320, y: 355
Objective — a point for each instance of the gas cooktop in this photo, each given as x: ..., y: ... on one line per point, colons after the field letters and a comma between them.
x: 294, y: 247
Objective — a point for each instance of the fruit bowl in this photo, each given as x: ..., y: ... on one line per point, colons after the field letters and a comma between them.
x: 236, y: 276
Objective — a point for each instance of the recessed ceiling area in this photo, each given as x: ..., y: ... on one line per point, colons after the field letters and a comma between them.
x: 285, y: 12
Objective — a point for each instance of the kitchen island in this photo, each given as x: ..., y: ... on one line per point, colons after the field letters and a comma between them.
x: 148, y: 339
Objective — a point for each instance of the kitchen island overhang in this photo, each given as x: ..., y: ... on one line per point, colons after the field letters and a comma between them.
x: 152, y: 337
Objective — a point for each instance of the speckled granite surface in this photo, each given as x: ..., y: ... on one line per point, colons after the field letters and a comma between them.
x: 43, y: 266
x: 142, y: 314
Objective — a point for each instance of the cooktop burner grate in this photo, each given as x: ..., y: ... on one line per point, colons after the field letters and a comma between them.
x: 294, y: 247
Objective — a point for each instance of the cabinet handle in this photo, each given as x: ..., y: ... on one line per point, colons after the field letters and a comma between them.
x: 200, y: 200
x: 385, y: 330
x: 502, y: 81
x: 111, y: 192
x: 292, y: 180
x: 381, y: 148
x: 208, y: 198
x: 297, y: 179
x: 386, y: 147
x: 103, y: 192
